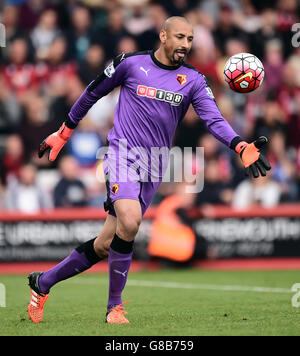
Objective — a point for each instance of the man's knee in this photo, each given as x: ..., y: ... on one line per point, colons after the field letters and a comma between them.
x: 129, y: 217
x: 128, y: 225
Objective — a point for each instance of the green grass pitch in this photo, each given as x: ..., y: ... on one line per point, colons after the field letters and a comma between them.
x: 164, y: 303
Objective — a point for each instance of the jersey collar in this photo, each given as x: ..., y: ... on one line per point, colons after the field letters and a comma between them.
x: 161, y: 65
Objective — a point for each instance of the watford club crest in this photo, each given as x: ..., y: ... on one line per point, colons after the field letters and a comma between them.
x: 181, y: 78
x: 115, y: 188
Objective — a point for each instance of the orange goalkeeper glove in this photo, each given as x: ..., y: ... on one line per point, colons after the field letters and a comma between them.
x: 254, y: 161
x: 55, y: 142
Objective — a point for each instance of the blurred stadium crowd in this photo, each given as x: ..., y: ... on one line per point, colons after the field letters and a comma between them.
x: 54, y: 49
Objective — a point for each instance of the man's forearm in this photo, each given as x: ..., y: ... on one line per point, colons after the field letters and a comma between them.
x: 222, y: 131
x: 80, y: 108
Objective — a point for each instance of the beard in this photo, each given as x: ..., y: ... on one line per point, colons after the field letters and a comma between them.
x: 178, y: 56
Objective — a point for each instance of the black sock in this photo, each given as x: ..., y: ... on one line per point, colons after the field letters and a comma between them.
x: 121, y: 246
x: 89, y: 251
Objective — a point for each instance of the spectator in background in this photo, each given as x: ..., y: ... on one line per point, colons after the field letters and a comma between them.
x: 294, y: 127
x: 149, y: 38
x: 44, y: 33
x: 126, y: 45
x: 24, y: 194
x: 10, y: 19
x: 113, y: 33
x: 236, y: 120
x: 178, y: 7
x: 20, y: 75
x: 203, y: 54
x: 30, y: 12
x: 61, y: 103
x: 164, y: 190
x: 84, y: 144
x: 35, y: 126
x: 235, y: 45
x: 80, y: 34
x: 137, y: 20
x: 189, y: 130
x: 294, y: 142
x: 261, y: 191
x: 283, y: 168
x: 92, y: 65
x: 294, y: 62
x: 58, y: 108
x: 60, y: 71
x: 217, y: 173
x: 214, y: 150
x: 288, y: 12
x: 216, y: 190
x: 226, y: 28
x: 288, y: 92
x: 238, y: 171
x: 1, y: 195
x: 267, y: 32
x: 10, y: 110
x: 272, y: 118
x: 232, y: 46
x: 204, y: 62
x: 98, y: 196
x: 273, y: 63
x: 13, y: 158
x: 97, y: 190
x: 101, y: 114
x: 70, y: 191
x: 247, y: 16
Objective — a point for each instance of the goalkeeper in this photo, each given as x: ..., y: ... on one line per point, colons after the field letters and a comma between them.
x: 157, y: 88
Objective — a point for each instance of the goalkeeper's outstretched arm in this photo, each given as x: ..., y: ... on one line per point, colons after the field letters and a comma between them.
x: 205, y: 106
x: 113, y: 76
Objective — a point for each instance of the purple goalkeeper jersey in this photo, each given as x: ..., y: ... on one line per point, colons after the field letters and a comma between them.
x: 153, y: 99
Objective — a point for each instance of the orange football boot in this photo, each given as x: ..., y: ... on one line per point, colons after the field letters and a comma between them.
x: 116, y: 315
x: 36, y: 305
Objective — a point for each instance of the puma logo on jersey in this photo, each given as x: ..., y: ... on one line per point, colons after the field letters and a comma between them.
x: 160, y: 94
x: 145, y: 71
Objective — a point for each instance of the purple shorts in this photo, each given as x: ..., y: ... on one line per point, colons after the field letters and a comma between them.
x: 140, y: 190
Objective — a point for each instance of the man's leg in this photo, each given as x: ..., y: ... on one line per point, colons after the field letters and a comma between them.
x: 129, y: 216
x: 80, y: 259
